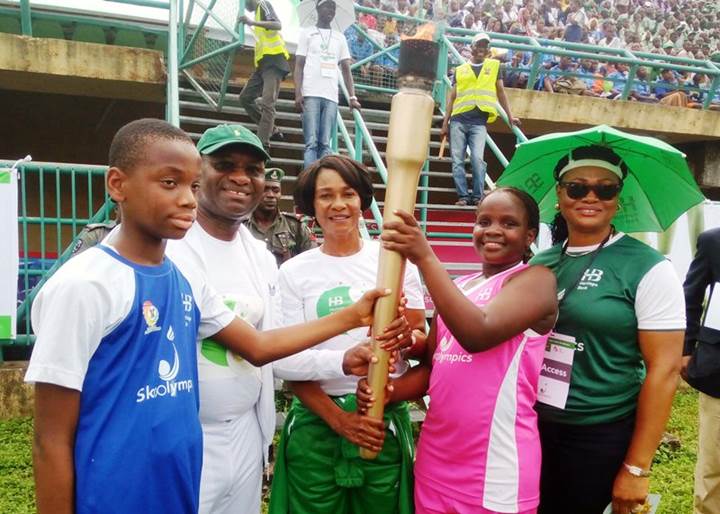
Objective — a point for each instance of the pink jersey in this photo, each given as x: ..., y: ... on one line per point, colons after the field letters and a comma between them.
x: 480, y: 441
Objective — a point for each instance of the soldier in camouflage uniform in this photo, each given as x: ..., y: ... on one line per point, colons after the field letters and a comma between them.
x: 285, y: 235
x: 91, y: 235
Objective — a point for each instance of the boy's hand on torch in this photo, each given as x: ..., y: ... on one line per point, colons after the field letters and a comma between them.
x: 365, y: 397
x: 406, y: 238
x: 362, y: 310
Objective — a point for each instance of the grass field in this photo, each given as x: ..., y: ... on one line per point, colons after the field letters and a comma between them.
x: 672, y: 471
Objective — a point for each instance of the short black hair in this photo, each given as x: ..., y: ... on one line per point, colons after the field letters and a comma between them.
x: 354, y: 173
x: 127, y: 148
x: 532, y: 211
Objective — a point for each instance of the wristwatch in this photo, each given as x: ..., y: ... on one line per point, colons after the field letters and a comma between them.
x: 353, y: 97
x: 636, y: 471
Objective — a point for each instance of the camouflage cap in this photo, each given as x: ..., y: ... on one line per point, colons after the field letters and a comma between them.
x: 274, y: 175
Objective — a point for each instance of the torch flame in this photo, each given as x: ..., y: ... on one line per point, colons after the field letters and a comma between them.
x: 425, y: 32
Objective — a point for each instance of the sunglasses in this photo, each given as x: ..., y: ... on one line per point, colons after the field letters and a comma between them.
x: 578, y: 190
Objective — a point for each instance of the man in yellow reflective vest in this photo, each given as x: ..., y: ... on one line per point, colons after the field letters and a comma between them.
x: 471, y: 105
x: 271, y: 67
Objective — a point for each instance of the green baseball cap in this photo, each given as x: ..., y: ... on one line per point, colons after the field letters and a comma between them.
x: 217, y: 137
x: 274, y: 175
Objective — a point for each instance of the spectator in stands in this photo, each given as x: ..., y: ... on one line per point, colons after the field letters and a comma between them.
x: 565, y: 65
x: 477, y: 88
x: 271, y: 67
x: 656, y: 47
x: 667, y: 90
x: 576, y: 22
x: 641, y: 90
x: 514, y: 77
x: 509, y: 13
x: 594, y: 32
x: 367, y: 19
x: 321, y: 51
x: 610, y: 39
x: 619, y: 79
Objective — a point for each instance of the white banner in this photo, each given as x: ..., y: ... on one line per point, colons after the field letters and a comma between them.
x: 9, y: 259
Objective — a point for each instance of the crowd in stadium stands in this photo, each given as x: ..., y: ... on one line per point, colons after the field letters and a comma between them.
x: 681, y: 28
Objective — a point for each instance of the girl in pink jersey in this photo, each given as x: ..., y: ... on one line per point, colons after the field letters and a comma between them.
x: 479, y: 449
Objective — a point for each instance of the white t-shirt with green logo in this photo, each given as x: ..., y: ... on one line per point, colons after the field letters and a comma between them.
x: 314, y: 284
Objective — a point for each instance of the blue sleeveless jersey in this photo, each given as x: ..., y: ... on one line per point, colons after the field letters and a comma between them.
x: 139, y: 443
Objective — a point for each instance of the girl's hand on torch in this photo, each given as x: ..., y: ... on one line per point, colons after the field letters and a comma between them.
x: 397, y: 335
x: 406, y: 238
x: 365, y: 397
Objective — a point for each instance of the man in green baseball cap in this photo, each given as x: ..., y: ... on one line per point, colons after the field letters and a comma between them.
x: 236, y: 408
x: 285, y: 234
x: 223, y: 135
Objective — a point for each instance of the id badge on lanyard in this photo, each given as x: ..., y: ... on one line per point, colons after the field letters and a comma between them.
x: 328, y: 65
x: 554, y: 383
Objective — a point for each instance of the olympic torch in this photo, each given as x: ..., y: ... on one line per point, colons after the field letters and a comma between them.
x: 411, y: 113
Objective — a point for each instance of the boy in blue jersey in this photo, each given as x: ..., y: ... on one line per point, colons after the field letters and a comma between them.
x: 115, y: 365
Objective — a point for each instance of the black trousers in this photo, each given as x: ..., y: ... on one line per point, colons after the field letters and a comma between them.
x: 579, y: 465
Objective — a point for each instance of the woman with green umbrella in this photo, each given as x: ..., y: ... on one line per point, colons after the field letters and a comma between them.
x: 611, y: 367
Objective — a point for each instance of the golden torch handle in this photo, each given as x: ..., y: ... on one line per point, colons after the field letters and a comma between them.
x: 407, y: 148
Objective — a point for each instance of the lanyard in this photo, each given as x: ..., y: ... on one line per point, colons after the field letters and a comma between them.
x: 324, y: 43
x: 594, y: 255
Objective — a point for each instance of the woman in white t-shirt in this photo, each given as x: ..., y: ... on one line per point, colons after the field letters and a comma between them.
x: 318, y: 469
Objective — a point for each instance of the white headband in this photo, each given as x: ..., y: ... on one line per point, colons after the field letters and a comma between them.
x: 598, y: 163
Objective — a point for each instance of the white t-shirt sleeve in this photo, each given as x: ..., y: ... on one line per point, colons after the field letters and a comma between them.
x: 214, y: 314
x: 413, y: 287
x: 70, y: 316
x: 660, y: 302
x: 309, y: 364
x: 302, y: 45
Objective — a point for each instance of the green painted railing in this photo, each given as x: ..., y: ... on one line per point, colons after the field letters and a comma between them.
x: 51, y: 23
x: 55, y: 203
x: 538, y: 47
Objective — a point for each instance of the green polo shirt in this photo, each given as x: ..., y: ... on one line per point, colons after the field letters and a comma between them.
x: 608, y: 369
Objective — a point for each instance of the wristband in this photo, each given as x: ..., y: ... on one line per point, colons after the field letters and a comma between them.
x: 353, y: 97
x: 636, y: 471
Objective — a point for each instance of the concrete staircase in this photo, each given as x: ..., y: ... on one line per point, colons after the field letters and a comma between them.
x: 443, y: 216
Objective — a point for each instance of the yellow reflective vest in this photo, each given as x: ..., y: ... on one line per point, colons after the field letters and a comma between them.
x: 480, y: 91
x: 267, y: 42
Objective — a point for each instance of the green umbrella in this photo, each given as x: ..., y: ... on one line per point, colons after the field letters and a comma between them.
x: 659, y: 187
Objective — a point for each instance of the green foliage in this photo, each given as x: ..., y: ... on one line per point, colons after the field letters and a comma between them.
x: 674, y: 465
x: 672, y: 469
x: 17, y: 491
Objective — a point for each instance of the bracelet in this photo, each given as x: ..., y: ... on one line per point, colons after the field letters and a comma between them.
x: 636, y: 471
x: 353, y: 97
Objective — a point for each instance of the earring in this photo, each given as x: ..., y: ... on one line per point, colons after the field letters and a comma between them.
x: 557, y: 206
x: 620, y: 207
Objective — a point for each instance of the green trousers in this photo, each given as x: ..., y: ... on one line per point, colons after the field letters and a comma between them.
x: 319, y: 472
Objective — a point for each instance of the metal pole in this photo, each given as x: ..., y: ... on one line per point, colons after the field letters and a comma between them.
x: 173, y: 94
x: 25, y: 18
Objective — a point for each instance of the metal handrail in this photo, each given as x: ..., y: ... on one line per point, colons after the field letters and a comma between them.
x: 78, y: 174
